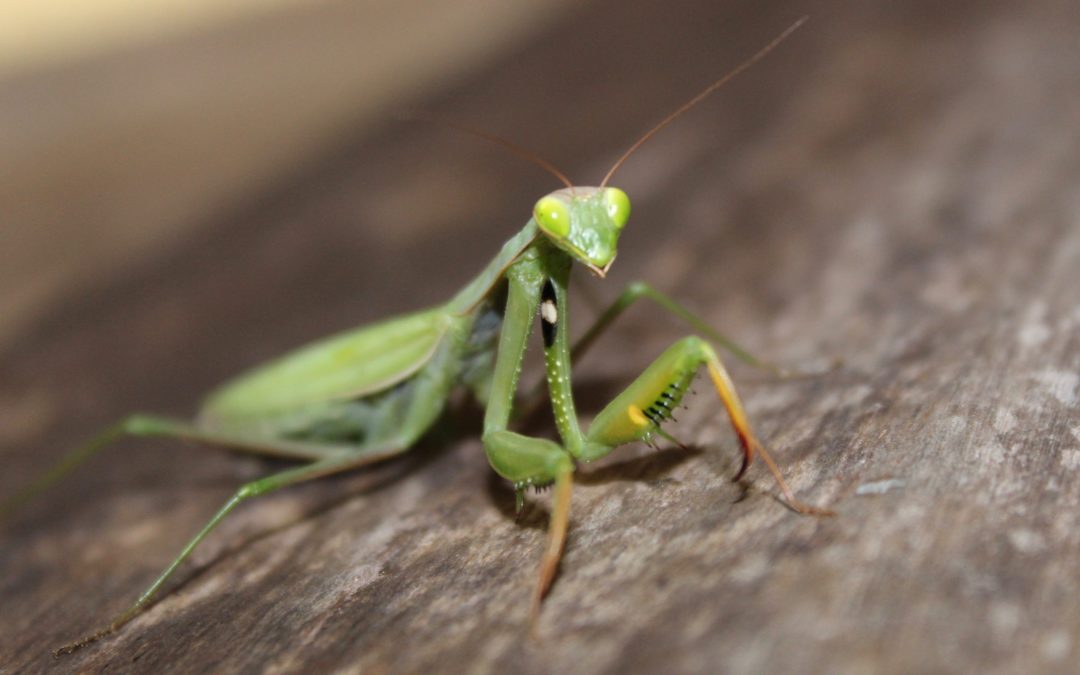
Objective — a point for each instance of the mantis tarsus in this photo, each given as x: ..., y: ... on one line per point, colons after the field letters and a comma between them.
x: 369, y: 394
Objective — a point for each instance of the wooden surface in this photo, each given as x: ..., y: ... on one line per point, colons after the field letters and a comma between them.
x: 895, y: 186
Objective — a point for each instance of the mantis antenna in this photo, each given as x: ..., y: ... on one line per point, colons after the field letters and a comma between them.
x: 524, y: 153
x: 704, y: 93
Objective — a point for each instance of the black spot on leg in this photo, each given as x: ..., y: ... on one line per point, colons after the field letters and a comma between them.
x: 549, y: 316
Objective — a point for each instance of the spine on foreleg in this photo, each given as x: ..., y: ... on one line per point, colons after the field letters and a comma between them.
x: 641, y: 408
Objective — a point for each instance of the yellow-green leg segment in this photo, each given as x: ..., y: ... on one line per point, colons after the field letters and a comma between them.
x: 639, y: 411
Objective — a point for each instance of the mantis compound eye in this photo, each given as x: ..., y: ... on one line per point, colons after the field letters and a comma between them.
x: 553, y: 216
x: 618, y: 206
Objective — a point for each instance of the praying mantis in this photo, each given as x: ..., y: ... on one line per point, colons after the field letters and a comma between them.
x: 369, y: 394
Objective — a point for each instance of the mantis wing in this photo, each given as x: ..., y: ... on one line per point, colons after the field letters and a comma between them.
x: 345, y: 366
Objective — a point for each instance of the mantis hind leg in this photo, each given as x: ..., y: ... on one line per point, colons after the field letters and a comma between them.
x: 141, y: 425
x: 639, y: 411
x: 342, y: 461
x: 422, y: 404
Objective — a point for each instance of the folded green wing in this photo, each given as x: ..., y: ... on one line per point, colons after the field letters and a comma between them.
x: 348, y: 365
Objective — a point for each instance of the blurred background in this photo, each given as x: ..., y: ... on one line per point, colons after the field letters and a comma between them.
x: 124, y: 125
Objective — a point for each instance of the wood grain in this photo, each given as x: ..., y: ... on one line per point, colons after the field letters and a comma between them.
x: 895, y: 186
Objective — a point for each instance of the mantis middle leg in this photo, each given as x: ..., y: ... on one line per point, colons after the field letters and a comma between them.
x: 637, y: 290
x: 144, y: 426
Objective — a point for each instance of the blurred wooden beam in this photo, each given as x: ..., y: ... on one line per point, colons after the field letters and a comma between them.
x: 115, y: 156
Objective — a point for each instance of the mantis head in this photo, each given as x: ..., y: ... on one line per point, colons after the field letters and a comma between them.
x: 585, y: 222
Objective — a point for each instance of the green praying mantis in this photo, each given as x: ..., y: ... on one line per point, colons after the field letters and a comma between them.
x: 369, y: 394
